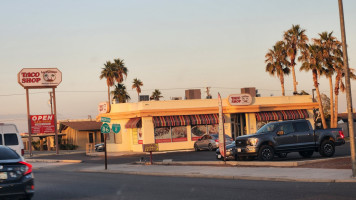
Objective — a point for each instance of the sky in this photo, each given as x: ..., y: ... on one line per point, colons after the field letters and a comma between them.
x: 169, y: 45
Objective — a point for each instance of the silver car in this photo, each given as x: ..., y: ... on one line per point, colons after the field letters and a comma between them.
x: 210, y: 142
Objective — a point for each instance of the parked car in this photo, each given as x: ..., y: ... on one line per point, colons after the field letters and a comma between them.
x: 210, y: 142
x: 289, y: 136
x: 230, y: 152
x: 99, y: 147
x: 10, y: 136
x: 16, y: 177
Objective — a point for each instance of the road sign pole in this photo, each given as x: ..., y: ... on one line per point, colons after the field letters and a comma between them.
x: 106, y: 157
x: 29, y: 123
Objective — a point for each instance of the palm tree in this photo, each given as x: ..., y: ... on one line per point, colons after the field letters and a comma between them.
x: 110, y: 74
x: 120, y: 93
x: 329, y: 47
x: 156, y: 95
x: 121, y: 70
x: 277, y: 62
x: 137, y: 83
x: 312, y: 61
x: 295, y: 39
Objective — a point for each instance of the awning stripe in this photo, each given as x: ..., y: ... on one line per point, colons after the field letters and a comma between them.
x: 134, y: 123
x: 204, y: 119
x: 282, y: 115
x: 184, y: 120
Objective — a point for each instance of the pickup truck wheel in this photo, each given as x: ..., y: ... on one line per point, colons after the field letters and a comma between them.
x: 306, y: 154
x: 266, y: 153
x: 327, y: 148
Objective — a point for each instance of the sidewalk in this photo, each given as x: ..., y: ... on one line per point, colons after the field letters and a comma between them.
x: 229, y: 172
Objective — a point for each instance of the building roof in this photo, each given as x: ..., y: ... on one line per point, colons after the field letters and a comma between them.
x: 81, y: 125
x: 344, y: 116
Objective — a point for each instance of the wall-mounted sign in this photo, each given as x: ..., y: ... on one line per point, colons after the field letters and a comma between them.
x: 240, y: 99
x: 39, y: 77
x: 103, y: 107
x: 42, y: 124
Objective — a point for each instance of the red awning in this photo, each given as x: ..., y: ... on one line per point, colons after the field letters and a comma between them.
x: 204, y: 119
x: 179, y: 120
x: 282, y: 115
x: 134, y: 123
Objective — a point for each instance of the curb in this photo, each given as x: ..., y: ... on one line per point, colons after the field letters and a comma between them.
x: 53, y: 161
x: 253, y: 178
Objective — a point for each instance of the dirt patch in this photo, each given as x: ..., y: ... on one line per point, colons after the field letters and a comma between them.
x: 337, y: 163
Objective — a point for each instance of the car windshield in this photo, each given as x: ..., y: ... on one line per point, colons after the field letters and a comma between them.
x: 267, y: 128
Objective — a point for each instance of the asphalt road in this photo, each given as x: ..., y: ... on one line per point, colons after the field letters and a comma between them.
x: 53, y: 183
x: 343, y: 150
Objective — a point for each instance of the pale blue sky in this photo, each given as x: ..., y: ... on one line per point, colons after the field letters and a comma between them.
x: 167, y: 44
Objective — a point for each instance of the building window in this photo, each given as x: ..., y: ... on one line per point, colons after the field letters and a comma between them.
x: 91, y: 138
x: 171, y: 134
x: 179, y: 133
x: 198, y: 131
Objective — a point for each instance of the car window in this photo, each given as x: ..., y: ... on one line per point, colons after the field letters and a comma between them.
x: 287, y: 128
x: 209, y: 137
x: 11, y: 139
x: 301, y: 126
x: 267, y: 128
x: 0, y: 139
x: 7, y: 154
x: 203, y: 138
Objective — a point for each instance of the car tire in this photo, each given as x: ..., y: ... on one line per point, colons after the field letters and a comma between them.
x: 327, y: 148
x: 306, y: 154
x: 210, y: 147
x: 196, y: 148
x: 266, y: 153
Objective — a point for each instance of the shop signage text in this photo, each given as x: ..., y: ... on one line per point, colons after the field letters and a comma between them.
x: 39, y: 77
x: 240, y: 99
x: 42, y: 124
x: 103, y: 107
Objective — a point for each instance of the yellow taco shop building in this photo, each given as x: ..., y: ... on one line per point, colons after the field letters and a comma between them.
x: 177, y: 124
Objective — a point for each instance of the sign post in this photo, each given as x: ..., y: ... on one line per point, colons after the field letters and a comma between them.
x: 222, y: 146
x: 150, y: 148
x: 38, y: 78
x: 105, y: 129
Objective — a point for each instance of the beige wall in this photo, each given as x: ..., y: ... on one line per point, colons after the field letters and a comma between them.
x: 121, y: 113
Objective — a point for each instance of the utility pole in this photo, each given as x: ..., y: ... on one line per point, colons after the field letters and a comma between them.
x: 348, y: 90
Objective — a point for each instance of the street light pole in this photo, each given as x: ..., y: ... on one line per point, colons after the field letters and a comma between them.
x: 348, y: 90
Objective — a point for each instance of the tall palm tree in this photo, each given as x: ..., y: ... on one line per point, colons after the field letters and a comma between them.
x: 121, y: 70
x: 295, y: 39
x: 137, y: 83
x: 312, y: 61
x: 109, y: 72
x: 120, y: 93
x: 156, y: 95
x: 329, y: 47
x: 277, y: 63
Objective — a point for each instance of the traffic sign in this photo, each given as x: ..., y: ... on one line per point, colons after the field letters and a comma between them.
x: 105, y: 119
x: 105, y: 128
x: 116, y: 128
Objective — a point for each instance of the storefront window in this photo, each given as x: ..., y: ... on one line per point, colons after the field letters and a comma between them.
x: 198, y: 131
x: 213, y: 129
x: 163, y: 134
x: 179, y: 133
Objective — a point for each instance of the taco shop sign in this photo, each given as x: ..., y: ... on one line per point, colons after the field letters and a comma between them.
x: 39, y: 77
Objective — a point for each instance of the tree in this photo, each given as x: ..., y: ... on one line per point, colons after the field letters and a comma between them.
x: 295, y: 39
x: 121, y: 70
x: 312, y: 61
x: 120, y: 93
x: 137, y: 83
x: 156, y: 95
x: 109, y: 72
x: 329, y: 47
x: 277, y: 63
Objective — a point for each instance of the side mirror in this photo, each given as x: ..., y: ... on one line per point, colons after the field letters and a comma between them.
x: 280, y: 133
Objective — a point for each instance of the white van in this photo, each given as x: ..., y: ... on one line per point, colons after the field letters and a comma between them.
x: 10, y: 136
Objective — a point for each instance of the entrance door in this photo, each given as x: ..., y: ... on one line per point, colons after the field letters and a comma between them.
x: 238, y: 124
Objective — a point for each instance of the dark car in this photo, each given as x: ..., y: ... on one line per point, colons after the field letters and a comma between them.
x: 230, y: 152
x: 16, y: 177
x: 99, y: 147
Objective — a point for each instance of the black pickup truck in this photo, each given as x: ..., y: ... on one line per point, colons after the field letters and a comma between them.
x: 281, y: 138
